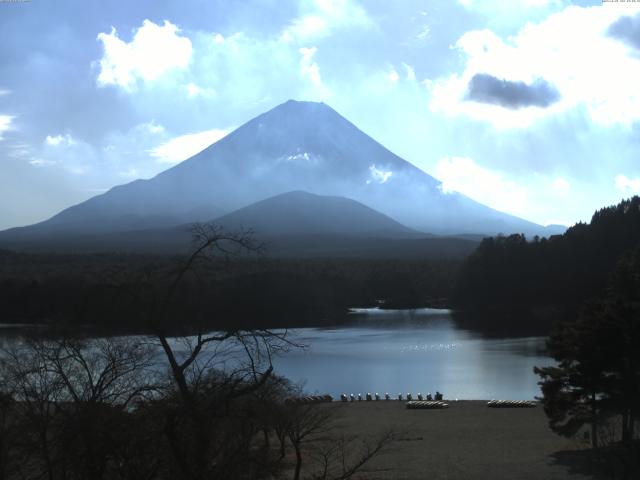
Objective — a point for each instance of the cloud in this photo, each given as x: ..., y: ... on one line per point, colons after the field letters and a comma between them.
x: 71, y: 154
x: 151, y: 127
x: 393, y: 76
x: 195, y: 91
x: 306, y: 27
x: 626, y: 29
x: 185, y: 146
x: 5, y: 124
x: 627, y: 185
x: 492, y: 188
x: 411, y: 73
x: 153, y: 51
x: 322, y: 17
x: 508, y: 94
x: 495, y: 5
x: 235, y: 73
x: 59, y: 140
x: 570, y: 50
x: 123, y: 154
x: 424, y: 33
x: 378, y: 175
x: 308, y: 68
x: 41, y: 162
x: 509, y: 12
x: 241, y: 65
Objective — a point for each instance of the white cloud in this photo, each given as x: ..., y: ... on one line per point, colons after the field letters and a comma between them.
x: 308, y: 67
x: 5, y: 124
x: 306, y: 27
x: 627, y: 185
x: 411, y: 73
x: 324, y: 16
x: 492, y: 188
x: 302, y: 157
x: 41, y: 162
x: 499, y: 5
x: 236, y: 69
x: 153, y: 51
x: 70, y: 153
x: 378, y: 175
x: 195, y: 91
x: 59, y: 140
x: 185, y: 146
x: 569, y: 49
x: 393, y: 76
x: 152, y: 127
x: 424, y: 33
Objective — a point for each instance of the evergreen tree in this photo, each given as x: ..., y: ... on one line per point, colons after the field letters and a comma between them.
x: 598, y: 372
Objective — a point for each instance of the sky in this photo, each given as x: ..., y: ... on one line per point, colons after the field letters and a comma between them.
x: 531, y: 107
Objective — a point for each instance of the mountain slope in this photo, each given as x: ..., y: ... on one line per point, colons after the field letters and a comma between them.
x: 295, y: 146
x: 303, y: 213
x: 293, y: 224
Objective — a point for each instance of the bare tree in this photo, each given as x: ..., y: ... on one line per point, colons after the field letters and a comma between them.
x: 304, y: 422
x: 215, y: 374
x: 69, y: 396
x: 8, y: 437
x: 330, y: 455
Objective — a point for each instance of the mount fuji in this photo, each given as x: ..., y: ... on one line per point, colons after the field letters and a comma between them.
x: 295, y: 147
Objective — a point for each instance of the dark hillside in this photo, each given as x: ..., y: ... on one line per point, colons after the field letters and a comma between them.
x: 558, y: 273
x: 115, y: 291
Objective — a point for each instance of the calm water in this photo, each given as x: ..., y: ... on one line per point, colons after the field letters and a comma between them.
x: 414, y: 351
x: 405, y: 351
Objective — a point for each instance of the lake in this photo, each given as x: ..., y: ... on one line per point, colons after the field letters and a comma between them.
x: 404, y: 351
x: 414, y: 351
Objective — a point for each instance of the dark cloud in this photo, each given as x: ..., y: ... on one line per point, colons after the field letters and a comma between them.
x: 489, y: 89
x: 626, y: 29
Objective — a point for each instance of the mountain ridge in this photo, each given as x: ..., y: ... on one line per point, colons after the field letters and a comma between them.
x: 295, y: 146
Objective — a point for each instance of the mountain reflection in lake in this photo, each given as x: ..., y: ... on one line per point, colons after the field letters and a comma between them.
x: 413, y: 351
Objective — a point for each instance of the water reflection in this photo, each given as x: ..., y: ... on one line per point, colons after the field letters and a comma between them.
x: 414, y: 351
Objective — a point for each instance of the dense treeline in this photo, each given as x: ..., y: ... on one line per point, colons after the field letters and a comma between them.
x: 250, y: 291
x: 560, y: 272
x: 596, y: 380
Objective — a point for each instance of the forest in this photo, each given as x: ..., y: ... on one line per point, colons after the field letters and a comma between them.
x: 548, y: 275
x: 114, y: 291
x: 536, y: 281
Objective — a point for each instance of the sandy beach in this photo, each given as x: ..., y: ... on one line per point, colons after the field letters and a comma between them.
x: 465, y: 441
